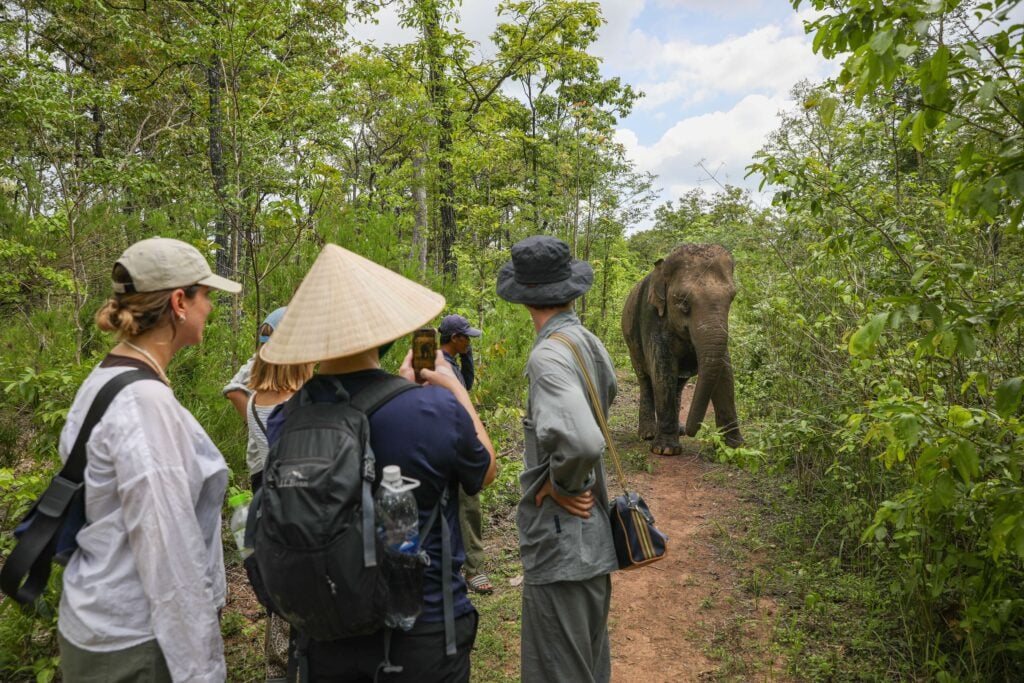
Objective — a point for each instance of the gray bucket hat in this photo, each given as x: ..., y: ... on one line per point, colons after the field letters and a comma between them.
x: 542, y: 272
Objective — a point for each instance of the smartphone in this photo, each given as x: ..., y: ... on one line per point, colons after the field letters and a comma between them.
x: 424, y: 350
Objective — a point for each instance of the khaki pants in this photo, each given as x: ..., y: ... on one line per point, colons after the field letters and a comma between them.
x: 139, y: 664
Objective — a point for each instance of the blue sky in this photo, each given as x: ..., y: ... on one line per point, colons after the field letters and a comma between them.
x: 715, y: 74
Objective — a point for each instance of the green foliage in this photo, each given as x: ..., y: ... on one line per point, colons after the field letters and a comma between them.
x: 259, y: 131
x: 28, y: 645
x: 960, y: 58
x: 896, y: 326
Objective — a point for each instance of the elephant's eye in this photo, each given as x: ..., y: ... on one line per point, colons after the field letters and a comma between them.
x: 683, y: 302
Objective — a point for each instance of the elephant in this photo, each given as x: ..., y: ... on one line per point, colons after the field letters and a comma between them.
x: 676, y: 325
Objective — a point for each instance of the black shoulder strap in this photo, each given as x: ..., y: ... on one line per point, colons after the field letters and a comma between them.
x: 74, y: 468
x: 447, y: 595
x: 379, y: 392
x: 447, y: 598
x: 27, y: 569
x: 367, y: 401
x: 256, y: 416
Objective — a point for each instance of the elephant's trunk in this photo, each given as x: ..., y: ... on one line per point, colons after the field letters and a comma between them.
x: 712, y: 344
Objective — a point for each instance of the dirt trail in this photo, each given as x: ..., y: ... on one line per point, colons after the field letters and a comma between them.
x: 685, y: 617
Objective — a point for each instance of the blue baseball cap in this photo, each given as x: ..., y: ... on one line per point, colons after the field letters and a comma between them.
x: 453, y: 324
x: 272, y: 320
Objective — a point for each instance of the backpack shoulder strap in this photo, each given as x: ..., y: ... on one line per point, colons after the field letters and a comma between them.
x: 447, y: 596
x: 367, y: 401
x: 27, y: 569
x: 74, y: 468
x: 376, y: 394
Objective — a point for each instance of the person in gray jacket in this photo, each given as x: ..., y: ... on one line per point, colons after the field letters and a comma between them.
x: 565, y: 537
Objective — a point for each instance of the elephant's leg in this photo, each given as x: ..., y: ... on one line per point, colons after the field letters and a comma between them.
x: 724, y: 400
x: 648, y: 425
x: 666, y: 405
x: 682, y: 385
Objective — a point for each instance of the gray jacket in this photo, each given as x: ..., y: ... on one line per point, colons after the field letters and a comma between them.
x: 563, y: 442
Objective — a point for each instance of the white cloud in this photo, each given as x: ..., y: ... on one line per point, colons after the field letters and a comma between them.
x: 616, y: 35
x: 724, y: 142
x: 765, y: 60
x: 728, y: 8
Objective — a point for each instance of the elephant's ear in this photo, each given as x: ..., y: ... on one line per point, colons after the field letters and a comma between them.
x: 656, y: 288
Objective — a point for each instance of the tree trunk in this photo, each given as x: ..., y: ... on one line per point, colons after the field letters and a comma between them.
x: 439, y: 99
x: 419, y: 228
x: 218, y: 170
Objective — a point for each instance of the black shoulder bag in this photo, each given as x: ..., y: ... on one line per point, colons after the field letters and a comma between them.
x: 47, y: 533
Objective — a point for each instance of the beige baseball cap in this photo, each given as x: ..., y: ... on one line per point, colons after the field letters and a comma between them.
x: 160, y: 263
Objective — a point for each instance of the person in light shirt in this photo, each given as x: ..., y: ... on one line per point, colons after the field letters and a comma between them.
x: 143, y: 591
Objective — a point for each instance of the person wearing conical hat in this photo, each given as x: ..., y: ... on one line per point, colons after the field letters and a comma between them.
x: 344, y: 313
x: 565, y: 536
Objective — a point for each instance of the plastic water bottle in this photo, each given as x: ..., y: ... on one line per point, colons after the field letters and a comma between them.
x: 240, y: 503
x: 398, y: 528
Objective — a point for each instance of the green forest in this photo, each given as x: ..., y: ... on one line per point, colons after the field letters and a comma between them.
x: 877, y: 335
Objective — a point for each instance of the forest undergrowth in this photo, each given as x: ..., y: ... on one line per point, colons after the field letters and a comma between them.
x: 876, y: 336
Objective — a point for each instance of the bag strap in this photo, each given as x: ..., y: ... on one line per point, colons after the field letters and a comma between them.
x: 256, y: 416
x: 74, y: 468
x: 27, y: 569
x: 447, y: 594
x: 368, y: 400
x: 447, y: 597
x: 373, y: 396
x: 595, y: 406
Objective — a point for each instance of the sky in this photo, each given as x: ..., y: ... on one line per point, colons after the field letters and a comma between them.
x: 715, y: 75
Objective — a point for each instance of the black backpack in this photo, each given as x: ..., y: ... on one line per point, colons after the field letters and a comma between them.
x: 317, y: 560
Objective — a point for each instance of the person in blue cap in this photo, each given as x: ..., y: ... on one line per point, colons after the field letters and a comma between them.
x: 255, y: 390
x: 237, y: 390
x: 456, y: 334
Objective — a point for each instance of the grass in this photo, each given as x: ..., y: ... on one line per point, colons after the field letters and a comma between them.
x: 831, y: 622
x: 496, y: 653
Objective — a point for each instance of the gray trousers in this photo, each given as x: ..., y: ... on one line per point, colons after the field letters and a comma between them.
x: 471, y: 526
x: 139, y: 664
x: 565, y: 631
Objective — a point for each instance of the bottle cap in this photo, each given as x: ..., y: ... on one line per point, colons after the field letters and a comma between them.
x: 392, y: 475
x: 393, y: 480
x: 239, y: 499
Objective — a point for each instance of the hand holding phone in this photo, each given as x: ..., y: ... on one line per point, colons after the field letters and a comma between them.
x: 424, y: 350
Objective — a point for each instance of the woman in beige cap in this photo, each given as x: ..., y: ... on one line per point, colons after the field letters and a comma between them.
x: 142, y: 592
x: 345, y: 311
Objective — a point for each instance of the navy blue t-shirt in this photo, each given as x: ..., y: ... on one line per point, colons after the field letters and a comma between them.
x: 429, y: 435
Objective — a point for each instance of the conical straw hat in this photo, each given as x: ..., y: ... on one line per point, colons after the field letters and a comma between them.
x: 347, y: 304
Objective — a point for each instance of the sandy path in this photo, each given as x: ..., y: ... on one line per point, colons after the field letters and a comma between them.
x: 666, y: 617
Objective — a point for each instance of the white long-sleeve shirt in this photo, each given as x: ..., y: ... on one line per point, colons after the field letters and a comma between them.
x: 150, y: 562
